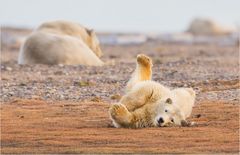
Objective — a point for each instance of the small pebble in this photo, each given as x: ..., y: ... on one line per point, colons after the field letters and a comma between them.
x: 8, y: 68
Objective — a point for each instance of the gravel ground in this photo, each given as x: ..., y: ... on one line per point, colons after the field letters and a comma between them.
x: 175, y: 65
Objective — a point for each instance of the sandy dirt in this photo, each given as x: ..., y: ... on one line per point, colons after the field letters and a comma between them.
x: 33, y: 126
x: 64, y: 109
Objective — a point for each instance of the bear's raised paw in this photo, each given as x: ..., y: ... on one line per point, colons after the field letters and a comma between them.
x: 144, y: 60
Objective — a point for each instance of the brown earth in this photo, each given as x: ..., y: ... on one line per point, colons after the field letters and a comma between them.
x: 64, y: 109
x: 35, y: 126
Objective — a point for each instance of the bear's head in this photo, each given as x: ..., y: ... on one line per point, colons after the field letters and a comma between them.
x: 168, y: 113
x: 94, y: 44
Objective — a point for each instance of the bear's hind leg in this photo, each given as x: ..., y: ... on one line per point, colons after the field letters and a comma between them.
x: 144, y: 67
x: 142, y: 72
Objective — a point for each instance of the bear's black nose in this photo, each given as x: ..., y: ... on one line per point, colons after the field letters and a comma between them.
x: 160, y: 121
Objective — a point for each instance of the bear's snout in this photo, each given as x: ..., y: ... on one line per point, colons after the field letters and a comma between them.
x: 160, y: 121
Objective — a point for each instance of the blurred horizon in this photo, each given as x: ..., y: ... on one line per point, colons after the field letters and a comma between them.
x: 119, y: 16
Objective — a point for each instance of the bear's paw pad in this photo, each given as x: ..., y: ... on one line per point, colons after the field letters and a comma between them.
x: 118, y: 110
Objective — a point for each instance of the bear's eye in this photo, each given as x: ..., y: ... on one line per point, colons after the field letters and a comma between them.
x: 166, y: 110
x: 172, y: 120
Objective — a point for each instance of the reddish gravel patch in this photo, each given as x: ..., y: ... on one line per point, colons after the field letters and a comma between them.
x: 35, y: 126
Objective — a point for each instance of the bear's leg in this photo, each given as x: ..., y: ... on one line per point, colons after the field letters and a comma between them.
x: 142, y: 72
x: 120, y: 115
x: 143, y: 93
x: 137, y: 98
x: 144, y: 68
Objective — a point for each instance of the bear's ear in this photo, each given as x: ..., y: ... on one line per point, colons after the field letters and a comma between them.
x: 169, y: 101
x: 89, y: 31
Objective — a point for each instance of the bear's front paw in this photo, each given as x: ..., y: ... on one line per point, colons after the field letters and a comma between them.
x: 118, y: 111
x: 185, y: 123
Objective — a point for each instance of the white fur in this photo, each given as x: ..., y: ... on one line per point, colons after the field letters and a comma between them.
x: 61, y: 42
x: 181, y: 108
x: 146, y: 101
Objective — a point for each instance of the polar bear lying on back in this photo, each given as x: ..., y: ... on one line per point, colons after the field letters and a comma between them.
x: 61, y: 42
x: 150, y: 104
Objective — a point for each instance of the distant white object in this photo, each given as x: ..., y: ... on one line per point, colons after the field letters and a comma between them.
x: 177, y: 38
x: 123, y: 39
x: 131, y: 39
x: 188, y: 38
x: 205, y: 26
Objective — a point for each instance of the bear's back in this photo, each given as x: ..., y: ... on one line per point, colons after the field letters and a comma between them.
x: 65, y: 28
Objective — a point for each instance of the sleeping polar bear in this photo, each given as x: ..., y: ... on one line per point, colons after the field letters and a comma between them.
x: 206, y: 26
x: 150, y: 104
x: 61, y: 42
